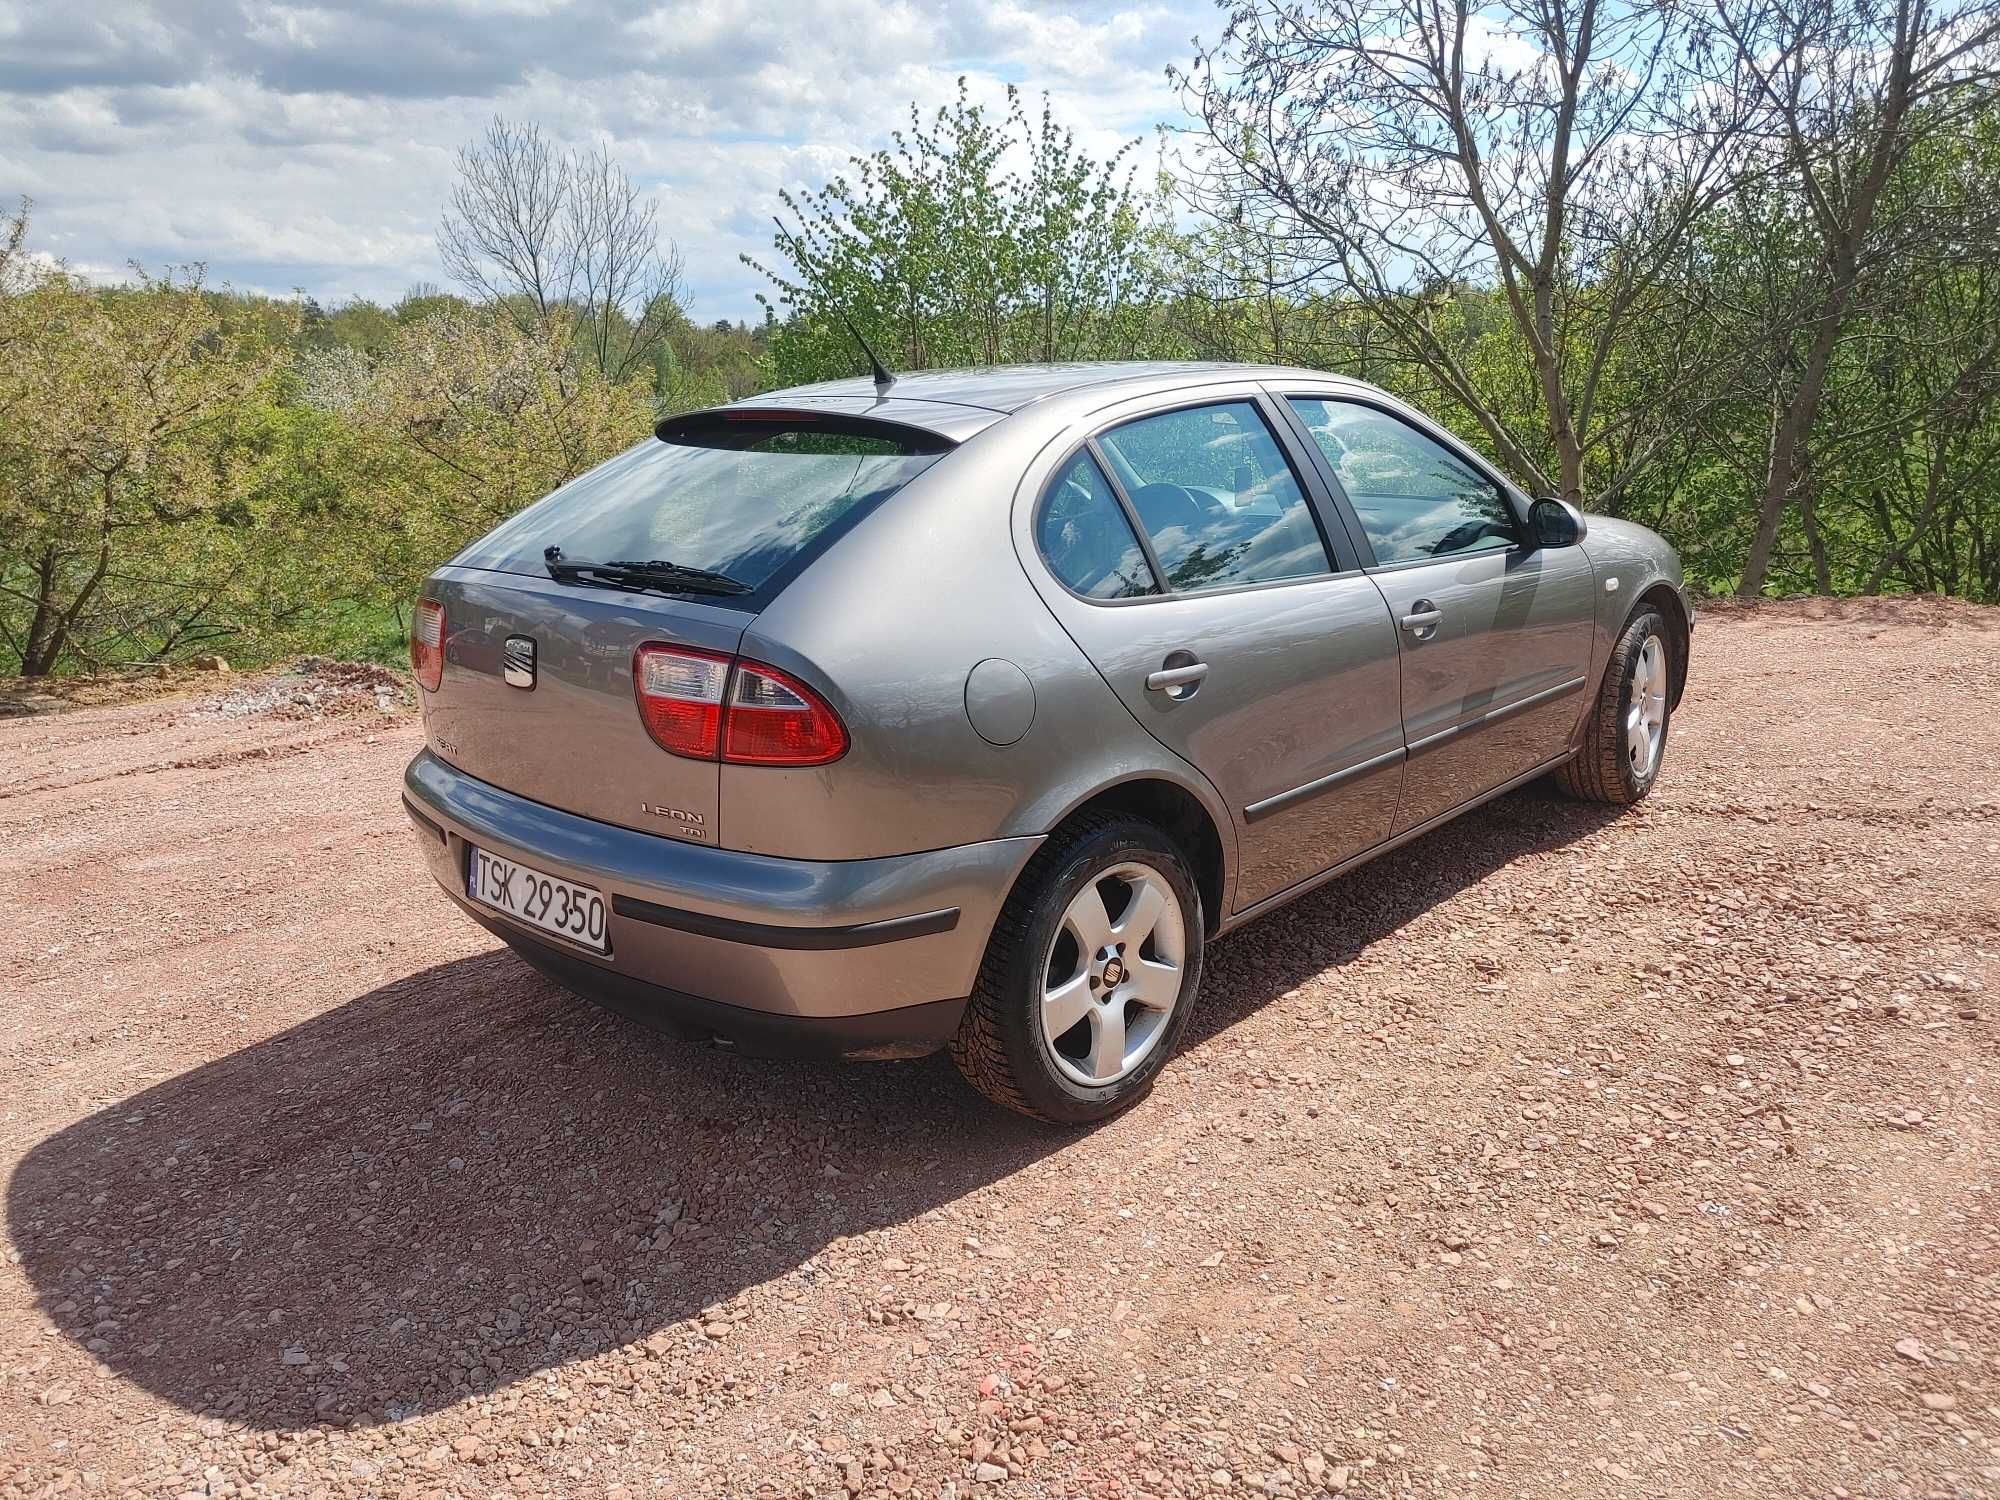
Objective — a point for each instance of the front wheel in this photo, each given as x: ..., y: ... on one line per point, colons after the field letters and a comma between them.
x: 1625, y: 738
x: 1089, y: 977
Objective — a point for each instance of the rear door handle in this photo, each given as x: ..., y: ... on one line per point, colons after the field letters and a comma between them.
x: 1423, y: 618
x: 1168, y: 678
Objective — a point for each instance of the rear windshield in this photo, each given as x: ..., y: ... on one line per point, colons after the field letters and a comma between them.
x: 745, y: 497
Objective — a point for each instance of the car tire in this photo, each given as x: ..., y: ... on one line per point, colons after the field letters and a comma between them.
x: 1037, y: 972
x: 1633, y: 710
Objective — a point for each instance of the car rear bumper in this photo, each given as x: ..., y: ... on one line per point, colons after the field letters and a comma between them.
x: 869, y: 957
x: 907, y: 1031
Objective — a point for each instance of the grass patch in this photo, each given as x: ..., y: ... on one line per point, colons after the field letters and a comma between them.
x: 361, y: 632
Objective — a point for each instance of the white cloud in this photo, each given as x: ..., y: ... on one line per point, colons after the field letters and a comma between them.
x: 311, y: 145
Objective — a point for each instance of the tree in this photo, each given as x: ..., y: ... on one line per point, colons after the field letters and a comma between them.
x: 1398, y: 152
x: 1928, y: 470
x: 942, y: 253
x: 1907, y: 391
x: 539, y: 231
x: 13, y: 235
x: 16, y: 278
x: 122, y: 449
x: 1844, y: 92
x: 464, y: 420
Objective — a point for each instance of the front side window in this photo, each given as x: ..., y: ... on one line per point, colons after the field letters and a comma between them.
x: 1216, y: 496
x: 1416, y: 499
x: 1089, y: 544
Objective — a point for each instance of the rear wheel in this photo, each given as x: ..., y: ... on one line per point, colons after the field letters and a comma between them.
x: 1090, y: 974
x: 1626, y: 736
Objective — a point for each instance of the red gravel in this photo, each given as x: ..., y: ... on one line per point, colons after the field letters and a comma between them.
x: 1561, y: 1152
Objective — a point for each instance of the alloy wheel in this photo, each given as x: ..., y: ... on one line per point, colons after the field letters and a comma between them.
x: 1113, y: 974
x: 1646, y: 718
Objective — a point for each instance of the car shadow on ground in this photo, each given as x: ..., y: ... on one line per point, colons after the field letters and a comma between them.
x: 467, y: 1176
x: 1329, y: 927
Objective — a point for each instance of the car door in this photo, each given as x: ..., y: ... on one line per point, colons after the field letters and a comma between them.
x: 1495, y: 633
x: 1185, y: 553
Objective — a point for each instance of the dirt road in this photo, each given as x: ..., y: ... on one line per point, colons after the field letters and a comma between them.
x: 1558, y: 1153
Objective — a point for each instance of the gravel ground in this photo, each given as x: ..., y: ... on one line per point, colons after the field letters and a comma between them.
x: 1557, y: 1153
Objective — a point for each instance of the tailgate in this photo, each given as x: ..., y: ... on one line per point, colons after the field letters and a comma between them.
x: 569, y: 736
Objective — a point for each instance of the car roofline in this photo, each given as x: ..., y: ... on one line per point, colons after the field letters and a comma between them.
x: 958, y: 403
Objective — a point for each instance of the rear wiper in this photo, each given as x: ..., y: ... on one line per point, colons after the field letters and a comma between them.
x: 656, y: 574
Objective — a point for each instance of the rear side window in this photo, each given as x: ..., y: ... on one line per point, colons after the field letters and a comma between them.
x: 1216, y: 496
x: 736, y: 495
x: 1089, y: 544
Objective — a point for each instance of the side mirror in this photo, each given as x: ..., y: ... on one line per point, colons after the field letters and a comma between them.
x: 1556, y: 523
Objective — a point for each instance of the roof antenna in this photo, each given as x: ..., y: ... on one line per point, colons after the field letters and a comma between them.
x: 883, y: 379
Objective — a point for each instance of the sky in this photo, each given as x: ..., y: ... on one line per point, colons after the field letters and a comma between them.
x: 311, y: 146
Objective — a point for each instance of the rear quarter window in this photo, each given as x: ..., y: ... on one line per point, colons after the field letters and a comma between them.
x: 1085, y: 538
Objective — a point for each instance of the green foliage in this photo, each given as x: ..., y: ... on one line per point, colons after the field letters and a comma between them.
x: 136, y: 434
x: 465, y: 420
x: 187, y: 470
x: 1897, y: 481
x: 1900, y: 485
x: 974, y: 241
x: 184, y: 470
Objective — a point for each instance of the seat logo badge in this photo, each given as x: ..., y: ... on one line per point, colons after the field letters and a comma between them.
x: 1114, y: 972
x: 517, y: 661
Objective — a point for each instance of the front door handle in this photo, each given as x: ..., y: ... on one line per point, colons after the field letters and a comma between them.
x: 1423, y: 619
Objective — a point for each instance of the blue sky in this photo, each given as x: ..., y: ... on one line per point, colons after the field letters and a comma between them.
x: 310, y: 145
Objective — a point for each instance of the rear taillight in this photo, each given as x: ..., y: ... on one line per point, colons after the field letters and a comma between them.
x: 427, y: 644
x: 776, y: 720
x: 680, y: 698
x: 706, y: 707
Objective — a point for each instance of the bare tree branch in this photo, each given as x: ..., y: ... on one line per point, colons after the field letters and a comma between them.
x: 1560, y: 150
x: 541, y: 232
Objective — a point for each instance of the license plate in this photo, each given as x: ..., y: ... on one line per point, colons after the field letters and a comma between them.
x: 575, y: 912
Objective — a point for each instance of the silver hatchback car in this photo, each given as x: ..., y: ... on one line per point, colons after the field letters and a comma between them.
x: 864, y: 719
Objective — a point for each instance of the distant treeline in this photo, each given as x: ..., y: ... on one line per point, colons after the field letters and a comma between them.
x: 1731, y: 272
x: 188, y: 470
